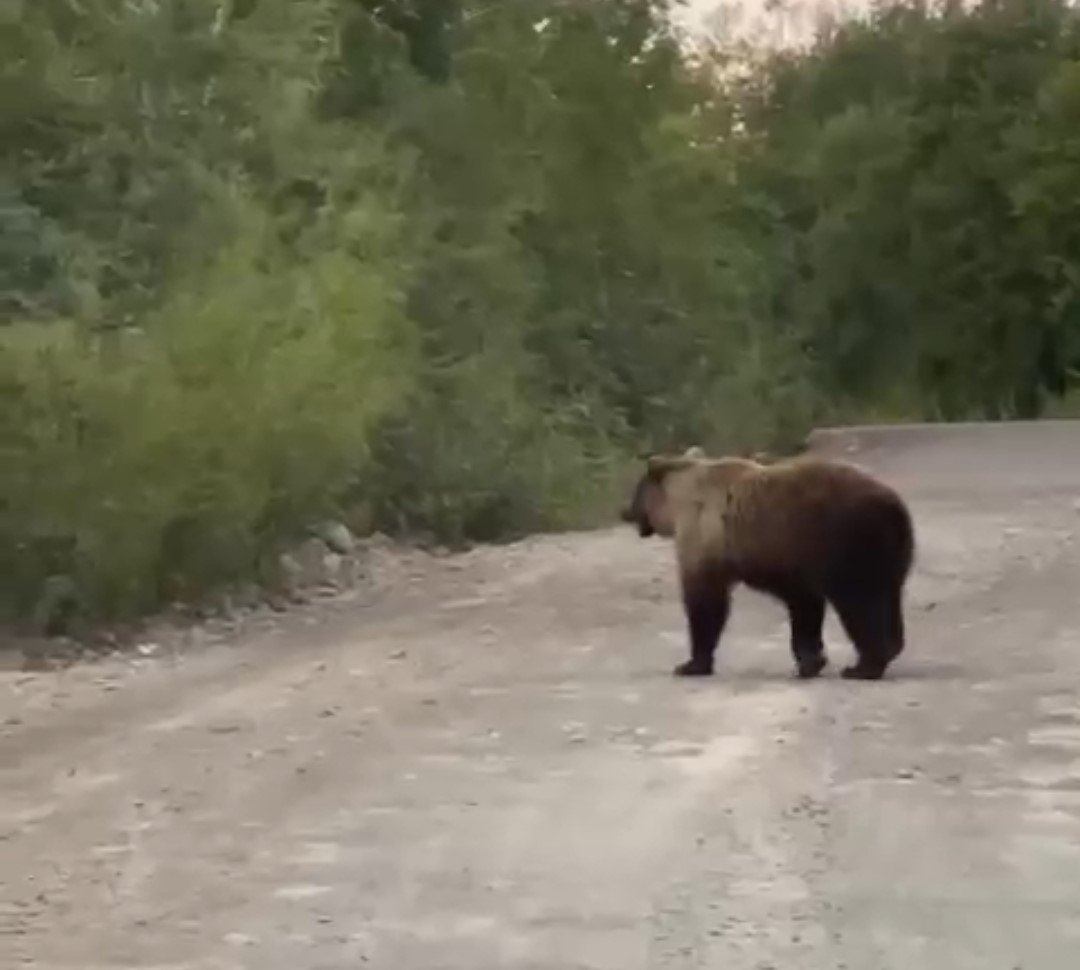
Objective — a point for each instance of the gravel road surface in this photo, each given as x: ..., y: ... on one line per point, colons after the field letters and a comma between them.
x: 486, y: 764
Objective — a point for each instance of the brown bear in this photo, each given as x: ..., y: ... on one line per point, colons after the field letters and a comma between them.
x: 806, y: 531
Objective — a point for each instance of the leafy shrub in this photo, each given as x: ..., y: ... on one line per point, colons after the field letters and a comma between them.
x: 148, y: 464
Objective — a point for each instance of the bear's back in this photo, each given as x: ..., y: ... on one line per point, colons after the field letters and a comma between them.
x: 798, y: 511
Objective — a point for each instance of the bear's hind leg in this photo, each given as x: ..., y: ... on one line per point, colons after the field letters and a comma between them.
x: 806, y: 613
x: 706, y: 605
x: 875, y: 626
x: 894, y: 623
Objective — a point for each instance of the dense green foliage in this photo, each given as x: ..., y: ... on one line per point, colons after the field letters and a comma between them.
x: 928, y: 165
x: 444, y: 266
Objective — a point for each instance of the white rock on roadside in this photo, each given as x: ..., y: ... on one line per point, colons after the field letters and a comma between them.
x: 337, y: 537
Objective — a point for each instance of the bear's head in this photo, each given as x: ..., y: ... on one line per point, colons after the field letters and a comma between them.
x: 650, y: 508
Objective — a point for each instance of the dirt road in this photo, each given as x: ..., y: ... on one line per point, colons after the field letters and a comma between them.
x: 489, y: 766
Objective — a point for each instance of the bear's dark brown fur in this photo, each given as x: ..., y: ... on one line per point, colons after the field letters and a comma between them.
x: 804, y: 530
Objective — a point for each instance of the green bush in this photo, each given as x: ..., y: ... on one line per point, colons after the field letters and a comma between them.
x: 153, y: 463
x: 474, y: 459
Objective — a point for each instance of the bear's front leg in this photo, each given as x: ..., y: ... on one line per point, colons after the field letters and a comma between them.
x: 706, y: 605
